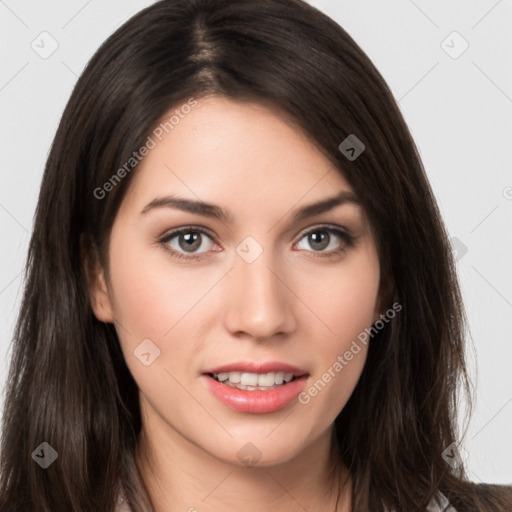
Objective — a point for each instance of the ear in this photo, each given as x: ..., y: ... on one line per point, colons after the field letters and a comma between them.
x: 99, y: 296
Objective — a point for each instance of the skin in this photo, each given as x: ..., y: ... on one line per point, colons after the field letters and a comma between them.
x: 292, y: 304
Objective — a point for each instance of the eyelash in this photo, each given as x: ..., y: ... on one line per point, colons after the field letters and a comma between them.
x: 347, y: 241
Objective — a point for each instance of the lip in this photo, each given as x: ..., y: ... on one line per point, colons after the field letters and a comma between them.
x: 255, y: 367
x: 255, y: 402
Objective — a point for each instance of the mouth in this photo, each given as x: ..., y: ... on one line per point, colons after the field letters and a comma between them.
x: 254, y: 387
x: 247, y: 381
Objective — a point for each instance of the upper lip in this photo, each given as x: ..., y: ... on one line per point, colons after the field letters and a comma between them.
x: 255, y: 367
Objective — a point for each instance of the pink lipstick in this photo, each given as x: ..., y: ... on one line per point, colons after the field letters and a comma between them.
x: 257, y: 388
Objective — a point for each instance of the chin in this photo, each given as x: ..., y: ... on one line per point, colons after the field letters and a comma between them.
x: 261, y: 449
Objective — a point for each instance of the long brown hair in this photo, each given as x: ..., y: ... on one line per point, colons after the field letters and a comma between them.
x: 68, y: 383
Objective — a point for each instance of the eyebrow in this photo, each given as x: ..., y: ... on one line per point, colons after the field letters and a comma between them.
x: 214, y: 211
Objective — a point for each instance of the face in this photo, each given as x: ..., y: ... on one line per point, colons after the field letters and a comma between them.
x: 219, y: 271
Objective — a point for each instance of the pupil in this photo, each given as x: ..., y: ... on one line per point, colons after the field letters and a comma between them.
x: 190, y: 241
x: 319, y: 239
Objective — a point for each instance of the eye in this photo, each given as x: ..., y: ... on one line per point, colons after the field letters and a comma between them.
x: 188, y: 242
x: 326, y: 240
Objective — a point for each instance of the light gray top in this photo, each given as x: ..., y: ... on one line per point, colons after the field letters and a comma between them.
x: 440, y: 504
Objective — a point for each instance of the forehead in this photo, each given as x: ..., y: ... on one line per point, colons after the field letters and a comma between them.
x: 236, y: 154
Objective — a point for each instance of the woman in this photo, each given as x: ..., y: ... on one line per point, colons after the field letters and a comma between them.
x: 239, y: 294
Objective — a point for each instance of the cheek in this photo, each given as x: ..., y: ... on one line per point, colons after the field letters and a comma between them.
x: 150, y: 294
x: 148, y: 299
x: 343, y: 298
x: 153, y: 302
x: 155, y: 299
x: 346, y: 303
x: 141, y: 298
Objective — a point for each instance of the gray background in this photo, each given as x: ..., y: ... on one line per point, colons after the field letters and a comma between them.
x: 458, y: 107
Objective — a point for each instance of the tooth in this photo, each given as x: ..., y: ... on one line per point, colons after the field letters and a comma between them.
x: 235, y: 377
x: 266, y: 379
x: 249, y: 379
x: 279, y: 378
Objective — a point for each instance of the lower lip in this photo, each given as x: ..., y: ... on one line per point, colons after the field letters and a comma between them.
x: 255, y: 402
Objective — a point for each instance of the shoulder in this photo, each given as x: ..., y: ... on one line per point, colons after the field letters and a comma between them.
x: 484, y: 498
x: 496, y: 497
x: 479, y: 498
x: 440, y: 504
x: 474, y: 498
x: 122, y: 504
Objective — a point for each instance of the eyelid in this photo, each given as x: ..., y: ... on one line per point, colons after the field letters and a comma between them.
x: 181, y: 255
x: 348, y: 240
x: 329, y: 227
x: 185, y: 229
x: 169, y: 235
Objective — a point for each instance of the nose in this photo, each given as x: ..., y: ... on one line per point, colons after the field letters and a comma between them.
x: 258, y: 302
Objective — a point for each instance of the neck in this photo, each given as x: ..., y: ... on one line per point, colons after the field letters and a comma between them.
x: 181, y: 476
